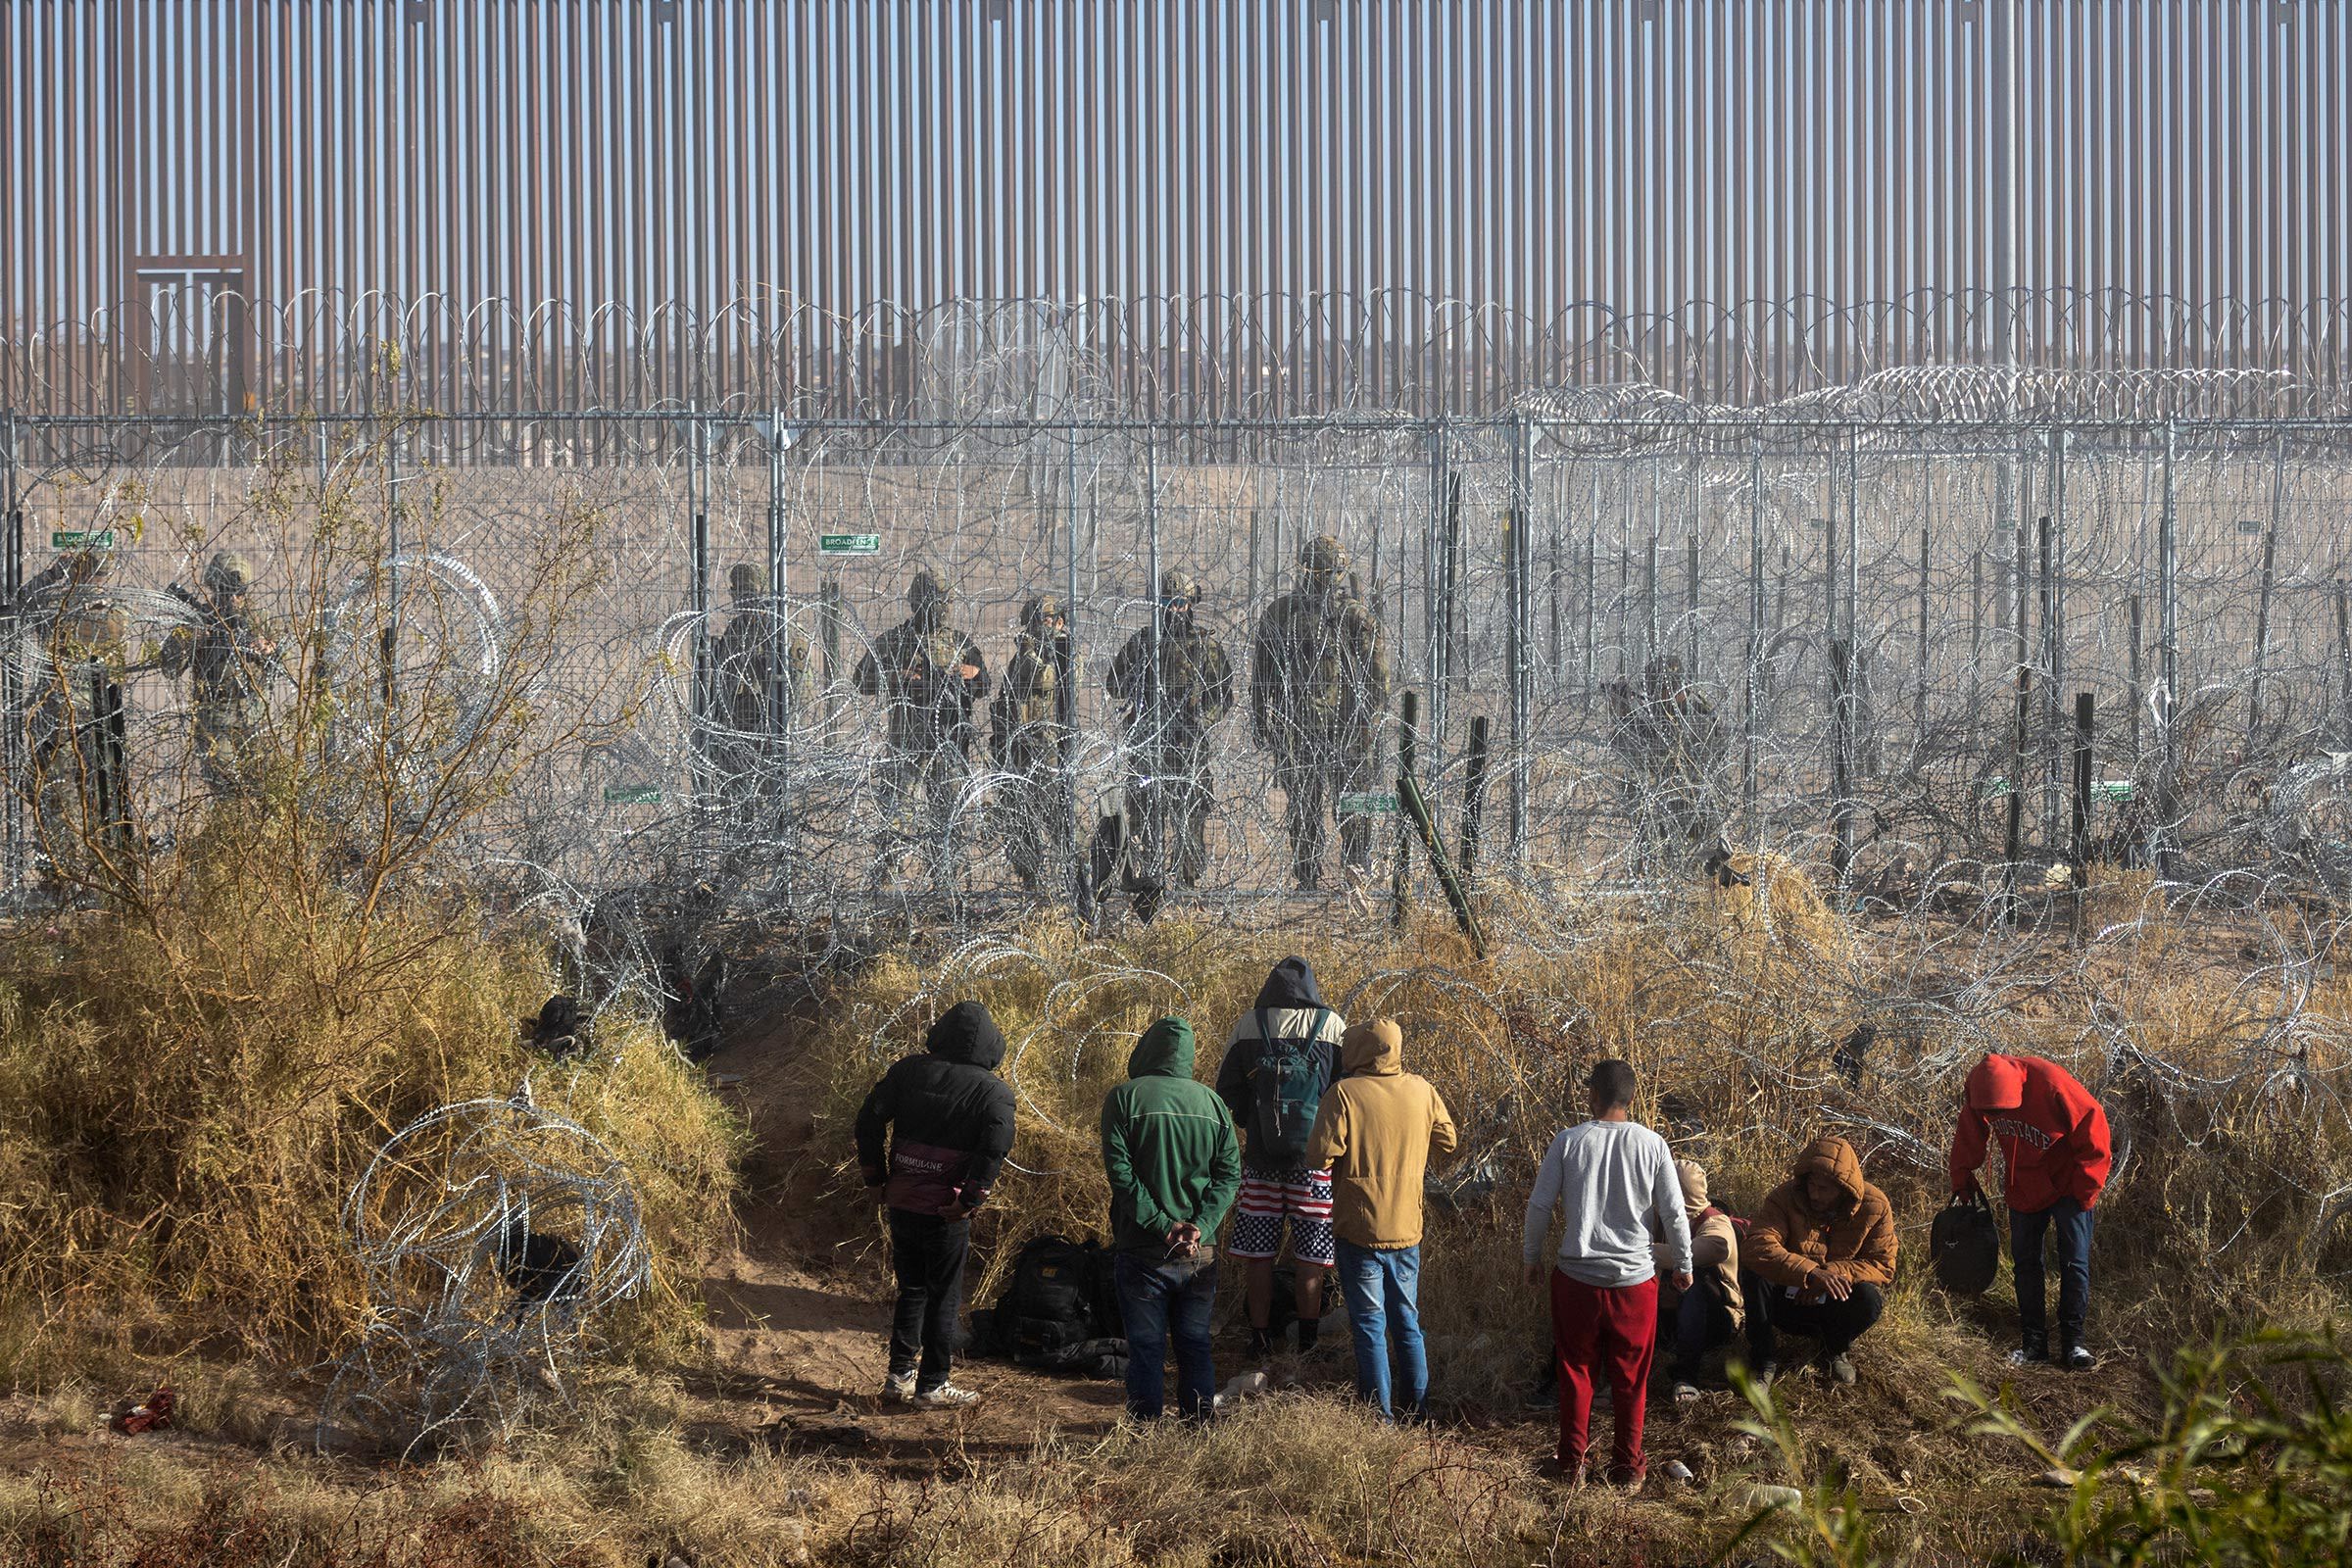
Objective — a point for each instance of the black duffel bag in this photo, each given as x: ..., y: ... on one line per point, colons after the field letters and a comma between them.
x: 1966, y: 1240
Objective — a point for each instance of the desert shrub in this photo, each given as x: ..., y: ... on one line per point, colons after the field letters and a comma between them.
x: 218, y: 1026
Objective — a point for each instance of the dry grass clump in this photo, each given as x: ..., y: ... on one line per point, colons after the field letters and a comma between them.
x: 189, y: 1088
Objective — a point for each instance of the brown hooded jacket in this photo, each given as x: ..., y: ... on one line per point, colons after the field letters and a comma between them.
x: 1854, y: 1239
x: 1375, y: 1131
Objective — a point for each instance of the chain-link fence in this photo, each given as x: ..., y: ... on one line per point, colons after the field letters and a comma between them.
x: 1941, y: 644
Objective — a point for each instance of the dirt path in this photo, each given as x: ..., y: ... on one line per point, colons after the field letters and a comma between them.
x: 800, y: 1315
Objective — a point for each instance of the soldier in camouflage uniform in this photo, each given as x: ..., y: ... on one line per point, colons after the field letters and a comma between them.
x: 930, y: 676
x: 227, y: 661
x: 1166, y: 721
x: 1673, y: 745
x: 81, y: 636
x: 1318, y: 684
x: 1025, y: 740
x: 741, y: 658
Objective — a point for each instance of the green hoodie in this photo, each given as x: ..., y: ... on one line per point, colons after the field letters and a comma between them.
x: 1168, y: 1146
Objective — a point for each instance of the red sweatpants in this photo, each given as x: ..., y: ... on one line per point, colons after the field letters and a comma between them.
x: 1601, y: 1331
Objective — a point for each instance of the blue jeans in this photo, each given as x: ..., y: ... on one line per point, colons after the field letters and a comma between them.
x: 2073, y: 1223
x: 1380, y: 1283
x: 1163, y: 1302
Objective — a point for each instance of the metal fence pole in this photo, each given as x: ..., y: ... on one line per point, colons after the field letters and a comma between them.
x: 1082, y: 886
x: 2343, y: 659
x: 2262, y: 610
x: 1755, y: 639
x: 779, y: 718
x: 12, y: 696
x: 2168, y: 662
x: 1154, y: 716
x: 2137, y: 693
x: 1522, y: 626
x: 698, y: 548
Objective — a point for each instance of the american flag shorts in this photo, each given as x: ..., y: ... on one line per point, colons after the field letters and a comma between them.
x: 1267, y: 1198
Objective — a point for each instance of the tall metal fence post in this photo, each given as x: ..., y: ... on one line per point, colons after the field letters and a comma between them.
x: 2262, y: 610
x: 2053, y: 650
x: 2135, y: 694
x: 1592, y: 598
x: 1154, y: 716
x: 1842, y: 764
x: 2168, y: 664
x: 2048, y: 659
x: 1081, y: 883
x: 2013, y: 840
x: 778, y: 713
x: 1649, y: 611
x: 1755, y: 642
x: 1919, y: 695
x: 698, y: 551
x: 2343, y: 659
x: 1520, y: 554
x: 12, y: 697
x: 1433, y: 577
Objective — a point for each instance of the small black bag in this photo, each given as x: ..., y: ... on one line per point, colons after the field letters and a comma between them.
x: 1966, y: 1240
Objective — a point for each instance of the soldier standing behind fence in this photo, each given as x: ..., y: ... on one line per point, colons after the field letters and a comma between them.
x: 1025, y: 742
x: 1318, y: 683
x: 1674, y: 744
x: 741, y: 661
x: 227, y: 660
x: 1166, y: 722
x: 930, y: 675
x: 81, y: 635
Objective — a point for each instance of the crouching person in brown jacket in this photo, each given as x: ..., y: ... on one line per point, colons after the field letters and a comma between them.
x: 1823, y: 1251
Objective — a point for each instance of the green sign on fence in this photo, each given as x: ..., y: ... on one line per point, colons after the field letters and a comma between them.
x: 633, y: 793
x: 1370, y: 803
x: 1996, y: 785
x: 2113, y: 789
x: 83, y: 539
x: 849, y: 544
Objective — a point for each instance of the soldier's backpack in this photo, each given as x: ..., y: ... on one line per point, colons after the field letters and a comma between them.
x: 1286, y: 1085
x: 1965, y: 1241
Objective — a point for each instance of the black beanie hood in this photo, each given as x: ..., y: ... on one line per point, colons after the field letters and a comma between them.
x: 1289, y: 984
x: 966, y: 1033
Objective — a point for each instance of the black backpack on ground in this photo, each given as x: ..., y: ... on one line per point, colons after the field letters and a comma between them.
x: 1966, y: 1243
x: 1053, y: 1300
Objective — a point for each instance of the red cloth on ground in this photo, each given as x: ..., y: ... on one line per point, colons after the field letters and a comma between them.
x: 2052, y: 1133
x: 1601, y: 1331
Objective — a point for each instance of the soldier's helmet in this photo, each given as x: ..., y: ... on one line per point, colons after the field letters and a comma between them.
x: 1323, y: 557
x: 1039, y: 611
x: 746, y: 581
x: 1175, y: 585
x: 928, y: 592
x: 229, y: 570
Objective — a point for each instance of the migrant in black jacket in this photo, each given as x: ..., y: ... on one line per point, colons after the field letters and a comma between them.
x: 949, y: 1114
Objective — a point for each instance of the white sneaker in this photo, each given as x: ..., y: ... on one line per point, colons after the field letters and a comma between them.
x: 947, y: 1396
x: 898, y: 1387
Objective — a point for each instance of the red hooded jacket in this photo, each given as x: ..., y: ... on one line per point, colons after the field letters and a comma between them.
x: 2053, y: 1134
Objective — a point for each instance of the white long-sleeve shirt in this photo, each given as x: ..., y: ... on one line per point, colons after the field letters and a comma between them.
x: 1612, y: 1178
